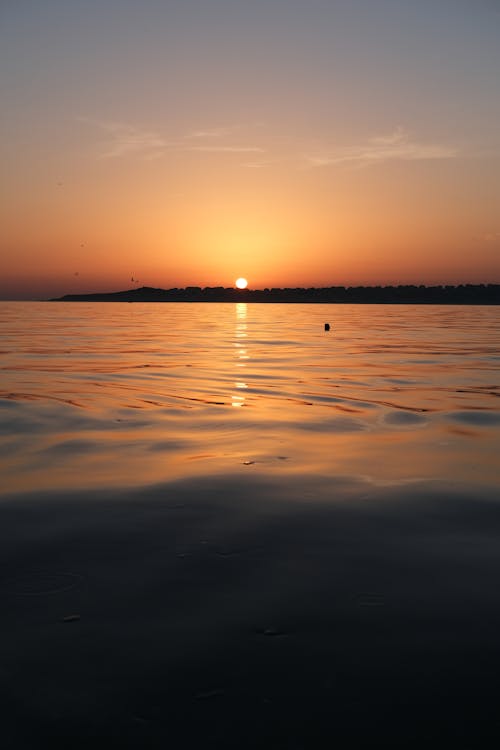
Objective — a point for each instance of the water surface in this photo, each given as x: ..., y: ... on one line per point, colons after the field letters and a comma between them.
x: 130, y: 394
x: 222, y: 526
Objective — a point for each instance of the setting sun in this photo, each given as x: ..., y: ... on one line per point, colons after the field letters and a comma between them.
x: 241, y: 283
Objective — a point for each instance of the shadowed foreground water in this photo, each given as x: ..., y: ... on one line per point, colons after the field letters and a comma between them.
x: 223, y: 526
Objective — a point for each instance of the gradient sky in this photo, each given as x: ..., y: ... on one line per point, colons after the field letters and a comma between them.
x: 294, y: 142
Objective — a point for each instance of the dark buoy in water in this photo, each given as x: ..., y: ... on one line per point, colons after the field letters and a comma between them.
x: 327, y: 326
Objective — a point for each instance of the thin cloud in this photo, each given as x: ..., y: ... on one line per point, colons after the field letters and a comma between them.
x: 227, y: 149
x: 192, y: 142
x: 132, y: 141
x: 255, y: 164
x: 124, y: 139
x: 490, y: 237
x: 397, y: 145
x: 208, y: 133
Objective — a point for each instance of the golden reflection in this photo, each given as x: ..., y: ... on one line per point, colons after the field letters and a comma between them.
x: 147, y: 439
x: 241, y: 311
x: 240, y: 331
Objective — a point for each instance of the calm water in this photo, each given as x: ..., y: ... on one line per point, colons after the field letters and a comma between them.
x: 100, y: 395
x: 222, y: 526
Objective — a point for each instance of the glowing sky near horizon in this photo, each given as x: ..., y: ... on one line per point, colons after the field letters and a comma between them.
x: 190, y: 142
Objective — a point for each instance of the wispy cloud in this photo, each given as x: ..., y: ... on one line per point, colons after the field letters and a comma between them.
x: 208, y: 133
x: 203, y: 141
x: 397, y: 145
x: 227, y: 149
x: 490, y: 237
x: 127, y: 139
x: 123, y: 139
x: 258, y: 164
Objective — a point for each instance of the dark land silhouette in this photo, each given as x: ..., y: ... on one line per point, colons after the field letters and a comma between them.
x: 463, y: 294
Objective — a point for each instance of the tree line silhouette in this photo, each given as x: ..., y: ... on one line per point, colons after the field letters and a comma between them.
x: 462, y: 294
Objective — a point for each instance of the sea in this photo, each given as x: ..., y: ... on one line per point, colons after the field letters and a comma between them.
x: 121, y: 395
x: 224, y: 525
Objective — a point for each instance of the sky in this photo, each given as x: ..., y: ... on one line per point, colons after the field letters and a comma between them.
x: 293, y: 142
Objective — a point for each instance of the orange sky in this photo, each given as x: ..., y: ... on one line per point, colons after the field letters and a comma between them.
x: 296, y: 145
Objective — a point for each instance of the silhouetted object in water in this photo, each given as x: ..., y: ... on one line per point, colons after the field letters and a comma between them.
x: 327, y: 326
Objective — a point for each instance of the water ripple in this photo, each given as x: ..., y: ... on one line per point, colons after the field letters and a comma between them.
x: 105, y: 392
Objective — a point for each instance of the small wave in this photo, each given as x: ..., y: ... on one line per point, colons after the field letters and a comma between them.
x: 41, y: 397
x: 401, y: 418
x: 479, y: 418
x: 340, y: 424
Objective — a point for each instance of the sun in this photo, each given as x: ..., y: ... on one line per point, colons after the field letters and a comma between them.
x: 241, y: 283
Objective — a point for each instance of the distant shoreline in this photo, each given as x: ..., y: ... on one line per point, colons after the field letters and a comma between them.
x: 463, y: 294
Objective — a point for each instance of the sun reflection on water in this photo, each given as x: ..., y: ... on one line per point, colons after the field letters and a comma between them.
x: 388, y: 396
x: 240, y: 332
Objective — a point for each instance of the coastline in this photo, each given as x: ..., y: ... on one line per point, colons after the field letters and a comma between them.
x: 468, y: 294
